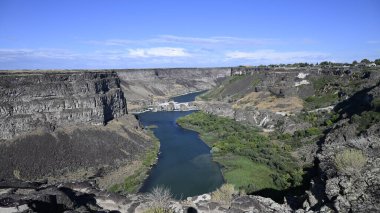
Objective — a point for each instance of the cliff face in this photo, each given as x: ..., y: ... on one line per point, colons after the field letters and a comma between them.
x: 352, y: 183
x: 65, y: 126
x: 50, y: 100
x: 144, y: 87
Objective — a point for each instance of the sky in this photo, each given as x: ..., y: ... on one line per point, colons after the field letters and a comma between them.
x: 96, y: 34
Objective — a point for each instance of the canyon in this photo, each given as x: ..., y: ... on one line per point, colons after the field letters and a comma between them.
x: 59, y: 127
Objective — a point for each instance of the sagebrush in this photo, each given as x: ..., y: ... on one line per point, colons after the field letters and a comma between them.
x: 159, y: 200
x: 224, y: 194
x: 350, y: 161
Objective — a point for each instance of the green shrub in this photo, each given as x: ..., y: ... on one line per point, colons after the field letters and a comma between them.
x: 329, y: 123
x: 376, y: 104
x: 350, y: 161
x: 313, y: 131
x: 224, y: 194
x: 365, y: 120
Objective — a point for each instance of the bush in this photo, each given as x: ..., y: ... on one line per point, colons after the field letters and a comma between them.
x: 313, y: 131
x: 159, y: 200
x: 350, y: 161
x: 224, y: 194
x: 365, y: 120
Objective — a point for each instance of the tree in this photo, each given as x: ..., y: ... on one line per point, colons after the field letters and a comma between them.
x: 365, y: 61
x: 325, y: 63
x: 354, y: 62
x: 377, y: 61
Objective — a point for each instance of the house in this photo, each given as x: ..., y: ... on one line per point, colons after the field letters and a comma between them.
x: 371, y: 65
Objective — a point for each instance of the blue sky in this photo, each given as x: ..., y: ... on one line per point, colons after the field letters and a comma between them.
x: 56, y: 34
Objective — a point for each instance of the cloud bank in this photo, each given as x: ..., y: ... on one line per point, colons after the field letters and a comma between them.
x: 163, y: 51
x: 277, y: 57
x: 158, y: 52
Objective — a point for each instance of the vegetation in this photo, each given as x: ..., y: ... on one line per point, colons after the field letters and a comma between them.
x: 365, y: 61
x: 319, y: 121
x: 132, y: 183
x: 314, y: 102
x: 377, y: 61
x: 250, y: 160
x: 224, y: 194
x: 365, y: 120
x: 159, y: 200
x: 350, y: 161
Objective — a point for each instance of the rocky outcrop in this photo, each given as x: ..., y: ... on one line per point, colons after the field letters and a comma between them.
x: 254, y: 117
x: 355, y: 185
x: 49, y: 100
x: 145, y: 87
x: 84, y: 197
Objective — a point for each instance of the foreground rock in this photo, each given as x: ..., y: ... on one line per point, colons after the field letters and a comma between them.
x: 355, y: 185
x: 84, y: 197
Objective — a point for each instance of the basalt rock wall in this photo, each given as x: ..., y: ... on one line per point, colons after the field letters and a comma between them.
x: 145, y: 87
x: 49, y: 100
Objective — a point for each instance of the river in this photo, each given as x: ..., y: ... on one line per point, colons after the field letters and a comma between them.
x: 184, y: 165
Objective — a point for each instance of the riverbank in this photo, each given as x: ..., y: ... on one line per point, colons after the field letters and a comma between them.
x: 139, y: 170
x: 250, y: 161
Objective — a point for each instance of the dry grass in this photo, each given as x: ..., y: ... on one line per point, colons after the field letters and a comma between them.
x: 350, y: 161
x: 224, y: 194
x: 159, y: 200
x: 265, y: 101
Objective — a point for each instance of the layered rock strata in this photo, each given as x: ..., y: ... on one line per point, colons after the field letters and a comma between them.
x: 67, y: 125
x: 50, y: 100
x: 146, y: 87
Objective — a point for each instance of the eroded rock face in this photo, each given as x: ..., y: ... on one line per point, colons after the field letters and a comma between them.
x: 254, y: 117
x: 70, y: 125
x: 356, y: 188
x: 143, y: 87
x: 51, y: 100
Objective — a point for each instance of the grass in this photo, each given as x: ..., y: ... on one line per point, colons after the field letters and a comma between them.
x: 244, y: 173
x: 350, y: 161
x: 250, y: 160
x: 224, y: 194
x: 319, y: 101
x: 211, y: 94
x: 133, y: 182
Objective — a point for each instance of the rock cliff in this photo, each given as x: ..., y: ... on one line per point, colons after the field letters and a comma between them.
x: 348, y: 157
x: 51, y: 100
x: 67, y: 125
x: 144, y: 87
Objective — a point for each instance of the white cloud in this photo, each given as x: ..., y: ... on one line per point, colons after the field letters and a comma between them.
x: 12, y: 54
x: 172, y: 39
x: 277, y: 57
x: 216, y: 40
x: 158, y: 52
